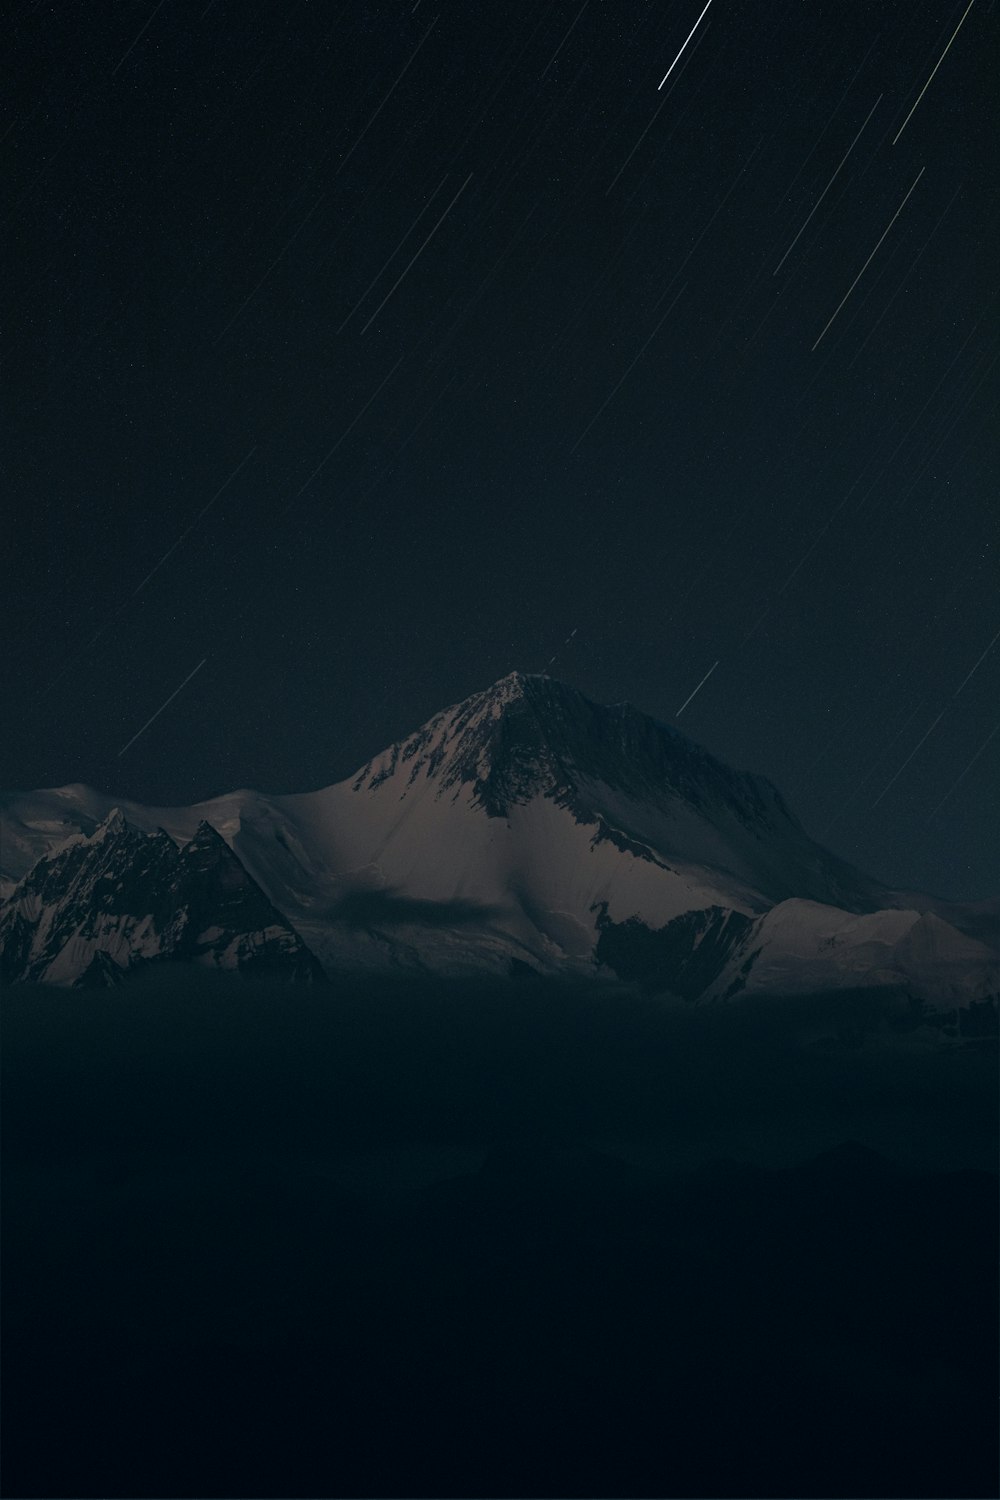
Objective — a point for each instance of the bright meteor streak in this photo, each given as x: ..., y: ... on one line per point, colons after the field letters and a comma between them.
x: 162, y: 706
x: 677, y: 59
x: 697, y: 689
x: 940, y: 60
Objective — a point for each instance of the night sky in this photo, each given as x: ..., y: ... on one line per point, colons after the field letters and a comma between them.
x: 358, y: 355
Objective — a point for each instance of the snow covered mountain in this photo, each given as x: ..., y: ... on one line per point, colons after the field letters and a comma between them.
x: 117, y: 898
x: 528, y: 827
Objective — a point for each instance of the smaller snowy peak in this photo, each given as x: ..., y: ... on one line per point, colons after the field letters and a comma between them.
x: 111, y: 826
x: 93, y: 838
x: 103, y: 905
x: 208, y: 838
x: 931, y: 943
x: 39, y: 822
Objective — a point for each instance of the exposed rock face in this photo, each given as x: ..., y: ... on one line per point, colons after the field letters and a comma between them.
x: 117, y: 899
x: 683, y: 957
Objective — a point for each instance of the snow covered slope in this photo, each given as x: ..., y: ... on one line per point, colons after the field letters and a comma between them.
x: 801, y: 946
x: 524, y: 823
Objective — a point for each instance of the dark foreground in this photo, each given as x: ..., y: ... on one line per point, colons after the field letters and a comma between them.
x: 411, y: 1242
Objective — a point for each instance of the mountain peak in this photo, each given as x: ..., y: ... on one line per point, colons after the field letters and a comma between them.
x: 208, y: 835
x: 513, y: 685
x: 529, y: 734
x: 110, y: 826
x: 515, y: 688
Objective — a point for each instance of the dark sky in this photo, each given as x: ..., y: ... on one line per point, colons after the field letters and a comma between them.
x: 363, y: 353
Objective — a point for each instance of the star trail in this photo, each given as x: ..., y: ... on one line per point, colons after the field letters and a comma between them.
x: 363, y: 353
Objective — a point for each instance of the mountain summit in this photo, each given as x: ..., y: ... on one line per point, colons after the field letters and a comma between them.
x: 530, y: 734
x: 525, y: 828
x: 642, y: 785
